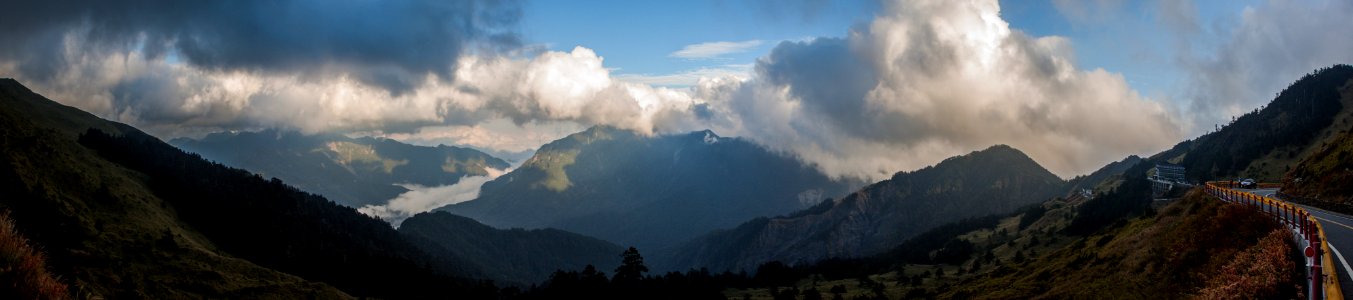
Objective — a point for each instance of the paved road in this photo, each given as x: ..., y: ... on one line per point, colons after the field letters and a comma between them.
x: 1338, y: 229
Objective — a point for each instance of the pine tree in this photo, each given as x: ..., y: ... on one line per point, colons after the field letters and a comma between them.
x: 631, y: 267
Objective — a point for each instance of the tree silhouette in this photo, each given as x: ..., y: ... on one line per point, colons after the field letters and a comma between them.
x: 631, y: 267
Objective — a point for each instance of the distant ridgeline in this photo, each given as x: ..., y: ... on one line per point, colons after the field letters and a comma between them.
x: 351, y: 171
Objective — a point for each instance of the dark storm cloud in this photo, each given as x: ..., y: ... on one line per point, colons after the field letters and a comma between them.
x: 393, y: 44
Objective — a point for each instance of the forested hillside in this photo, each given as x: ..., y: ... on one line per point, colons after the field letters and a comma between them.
x: 1265, y: 143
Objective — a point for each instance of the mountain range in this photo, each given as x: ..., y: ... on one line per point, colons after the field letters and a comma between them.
x: 121, y: 214
x: 648, y: 191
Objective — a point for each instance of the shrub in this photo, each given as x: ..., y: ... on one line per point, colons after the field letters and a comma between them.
x: 1263, y: 271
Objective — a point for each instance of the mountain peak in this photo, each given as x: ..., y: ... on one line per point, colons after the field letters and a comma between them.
x: 999, y: 152
x: 1001, y: 148
x: 709, y: 136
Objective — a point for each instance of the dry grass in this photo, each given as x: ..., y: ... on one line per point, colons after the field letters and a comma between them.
x: 1195, y: 247
x: 23, y: 270
x: 1259, y: 272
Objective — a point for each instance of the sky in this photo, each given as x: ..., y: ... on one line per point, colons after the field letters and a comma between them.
x: 862, y: 88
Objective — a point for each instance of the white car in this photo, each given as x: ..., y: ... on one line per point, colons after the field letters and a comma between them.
x: 1248, y: 184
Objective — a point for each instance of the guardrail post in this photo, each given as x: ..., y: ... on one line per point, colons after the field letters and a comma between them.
x: 1317, y: 280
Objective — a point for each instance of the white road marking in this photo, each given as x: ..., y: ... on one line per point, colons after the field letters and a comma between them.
x: 1341, y: 259
x: 1314, y: 210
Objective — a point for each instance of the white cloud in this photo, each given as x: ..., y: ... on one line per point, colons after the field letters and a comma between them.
x: 565, y: 86
x: 931, y: 79
x: 714, y: 49
x: 421, y: 199
x: 497, y: 134
x: 689, y: 77
x: 173, y: 99
x: 1272, y: 45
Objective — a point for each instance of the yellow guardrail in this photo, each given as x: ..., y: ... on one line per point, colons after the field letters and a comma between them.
x: 1331, y: 280
x: 1296, y: 218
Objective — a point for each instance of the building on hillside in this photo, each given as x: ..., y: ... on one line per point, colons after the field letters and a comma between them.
x: 1169, y: 172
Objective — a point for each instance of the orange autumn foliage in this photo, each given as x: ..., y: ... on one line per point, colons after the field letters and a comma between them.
x: 1256, y: 273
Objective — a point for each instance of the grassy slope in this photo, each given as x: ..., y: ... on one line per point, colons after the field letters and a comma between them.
x: 1323, y: 178
x: 105, y: 232
x: 1179, y: 252
x: 1188, y: 249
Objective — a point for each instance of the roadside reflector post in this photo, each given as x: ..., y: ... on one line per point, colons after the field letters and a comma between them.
x: 1316, y: 282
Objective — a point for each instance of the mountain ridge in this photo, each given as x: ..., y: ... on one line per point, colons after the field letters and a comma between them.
x: 881, y: 215
x: 516, y: 255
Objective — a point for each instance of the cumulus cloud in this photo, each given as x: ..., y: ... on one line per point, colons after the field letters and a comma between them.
x: 1273, y: 44
x: 931, y: 79
x: 714, y: 49
x: 389, y: 44
x: 174, y: 99
x: 421, y: 199
x: 566, y: 86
